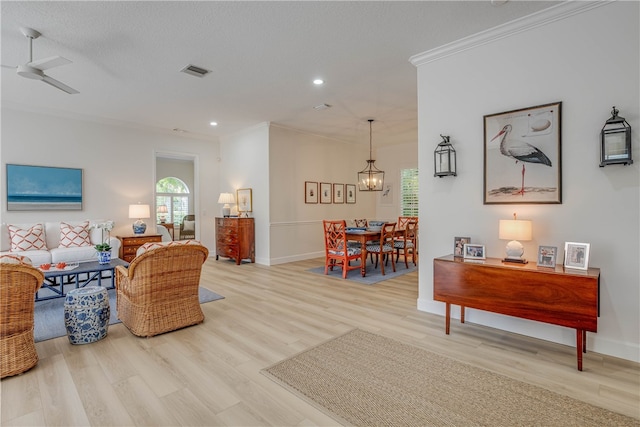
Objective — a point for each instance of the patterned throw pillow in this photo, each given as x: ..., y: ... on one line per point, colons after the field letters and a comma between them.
x: 30, y: 239
x: 73, y: 236
x: 15, y: 259
x: 155, y: 245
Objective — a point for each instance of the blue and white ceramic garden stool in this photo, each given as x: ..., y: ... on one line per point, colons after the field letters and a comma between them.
x: 86, y: 314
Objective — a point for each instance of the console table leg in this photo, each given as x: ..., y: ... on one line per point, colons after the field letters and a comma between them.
x: 448, y: 318
x: 579, y: 345
x: 462, y: 314
x: 584, y: 341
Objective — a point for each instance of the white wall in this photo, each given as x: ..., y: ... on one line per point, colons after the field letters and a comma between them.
x: 392, y: 159
x: 590, y: 62
x: 244, y: 163
x: 118, y: 165
x: 296, y: 157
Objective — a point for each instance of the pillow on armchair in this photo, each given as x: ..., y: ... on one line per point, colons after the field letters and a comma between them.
x: 189, y: 226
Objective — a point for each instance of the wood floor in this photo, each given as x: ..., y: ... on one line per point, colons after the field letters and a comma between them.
x: 210, y: 374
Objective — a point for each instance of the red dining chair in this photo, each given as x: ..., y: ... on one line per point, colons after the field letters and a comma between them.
x: 384, y: 246
x: 337, y: 252
x: 407, y: 243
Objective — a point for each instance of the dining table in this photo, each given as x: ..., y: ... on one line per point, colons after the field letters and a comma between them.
x: 363, y: 236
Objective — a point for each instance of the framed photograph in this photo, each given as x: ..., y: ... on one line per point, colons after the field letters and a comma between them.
x: 310, y: 192
x: 43, y: 188
x: 547, y: 256
x: 386, y: 196
x: 338, y: 193
x: 576, y: 255
x: 350, y: 190
x: 325, y: 192
x: 458, y: 246
x: 244, y: 198
x: 473, y: 251
x: 522, y: 156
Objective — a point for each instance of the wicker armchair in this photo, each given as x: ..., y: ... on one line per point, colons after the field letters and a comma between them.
x: 18, y: 286
x: 158, y: 292
x: 187, y: 227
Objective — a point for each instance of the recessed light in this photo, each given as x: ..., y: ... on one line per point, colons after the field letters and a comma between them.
x: 318, y: 82
x: 213, y: 123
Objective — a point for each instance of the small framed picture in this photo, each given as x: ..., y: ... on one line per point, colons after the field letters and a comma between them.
x: 310, y: 192
x: 350, y: 189
x: 244, y: 197
x: 576, y: 255
x: 473, y: 251
x: 547, y: 256
x: 458, y: 246
x: 338, y: 193
x: 325, y: 192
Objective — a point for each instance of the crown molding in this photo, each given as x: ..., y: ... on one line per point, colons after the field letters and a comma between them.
x: 535, y: 20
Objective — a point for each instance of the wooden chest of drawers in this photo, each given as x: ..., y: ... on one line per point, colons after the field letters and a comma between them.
x: 235, y: 238
x: 130, y: 244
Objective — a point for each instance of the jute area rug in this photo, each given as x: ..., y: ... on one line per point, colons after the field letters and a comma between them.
x: 365, y: 379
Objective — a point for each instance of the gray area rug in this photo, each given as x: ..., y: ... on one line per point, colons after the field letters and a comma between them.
x: 373, y: 275
x: 364, y: 379
x: 49, y: 314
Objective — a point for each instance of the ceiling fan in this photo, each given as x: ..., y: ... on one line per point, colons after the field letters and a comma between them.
x: 35, y: 69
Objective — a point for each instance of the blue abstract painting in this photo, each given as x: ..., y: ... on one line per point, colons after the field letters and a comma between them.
x: 43, y: 188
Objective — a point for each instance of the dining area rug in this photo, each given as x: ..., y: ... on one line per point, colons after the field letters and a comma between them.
x: 364, y: 379
x: 373, y: 275
x: 49, y: 314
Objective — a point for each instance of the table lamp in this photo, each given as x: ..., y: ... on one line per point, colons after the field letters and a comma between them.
x: 514, y: 230
x: 226, y: 198
x: 162, y: 210
x: 139, y: 211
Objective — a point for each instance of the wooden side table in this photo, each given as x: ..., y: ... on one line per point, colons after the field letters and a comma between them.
x: 130, y: 244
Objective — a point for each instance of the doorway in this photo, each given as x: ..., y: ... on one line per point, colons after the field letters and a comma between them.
x: 175, y: 195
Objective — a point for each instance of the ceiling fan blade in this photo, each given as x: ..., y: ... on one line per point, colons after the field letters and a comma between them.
x: 55, y: 83
x: 46, y: 63
x: 13, y: 67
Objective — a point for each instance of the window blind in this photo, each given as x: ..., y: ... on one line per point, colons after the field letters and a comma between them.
x: 409, y: 192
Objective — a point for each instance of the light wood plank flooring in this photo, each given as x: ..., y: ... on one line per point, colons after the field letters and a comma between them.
x: 210, y: 374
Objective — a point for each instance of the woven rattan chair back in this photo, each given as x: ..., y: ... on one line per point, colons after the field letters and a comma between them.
x: 158, y: 292
x: 18, y: 286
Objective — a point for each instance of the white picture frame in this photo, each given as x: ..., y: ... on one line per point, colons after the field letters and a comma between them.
x: 576, y: 255
x: 473, y: 251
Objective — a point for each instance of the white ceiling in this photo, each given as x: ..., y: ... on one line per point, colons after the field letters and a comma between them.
x: 263, y: 56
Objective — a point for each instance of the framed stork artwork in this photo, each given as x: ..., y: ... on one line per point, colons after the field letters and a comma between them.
x: 522, y: 156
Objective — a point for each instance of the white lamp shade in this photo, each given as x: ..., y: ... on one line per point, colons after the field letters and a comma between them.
x: 163, y: 209
x: 226, y: 198
x: 514, y: 229
x: 139, y: 211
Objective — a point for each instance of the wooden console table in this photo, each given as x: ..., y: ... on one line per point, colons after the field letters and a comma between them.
x: 558, y: 296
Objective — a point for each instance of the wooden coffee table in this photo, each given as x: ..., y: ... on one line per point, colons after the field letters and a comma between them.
x: 78, y: 277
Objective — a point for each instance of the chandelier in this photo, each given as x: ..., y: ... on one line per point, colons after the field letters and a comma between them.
x: 370, y: 178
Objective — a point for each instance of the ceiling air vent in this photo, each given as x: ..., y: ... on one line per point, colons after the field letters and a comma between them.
x: 195, y: 71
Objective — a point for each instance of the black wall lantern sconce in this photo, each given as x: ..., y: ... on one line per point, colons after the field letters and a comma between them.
x: 615, y: 141
x: 444, y: 158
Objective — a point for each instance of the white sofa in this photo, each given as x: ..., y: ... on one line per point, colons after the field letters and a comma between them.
x: 53, y: 253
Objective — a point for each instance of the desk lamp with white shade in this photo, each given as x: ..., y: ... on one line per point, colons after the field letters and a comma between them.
x: 514, y: 230
x: 226, y: 199
x: 139, y: 211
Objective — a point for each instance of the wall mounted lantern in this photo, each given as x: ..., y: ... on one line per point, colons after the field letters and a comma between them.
x: 615, y: 141
x: 444, y: 158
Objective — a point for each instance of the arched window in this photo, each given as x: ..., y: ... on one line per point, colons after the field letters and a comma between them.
x: 173, y: 194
